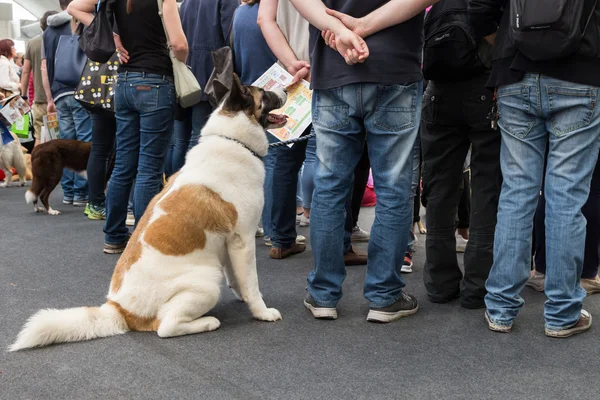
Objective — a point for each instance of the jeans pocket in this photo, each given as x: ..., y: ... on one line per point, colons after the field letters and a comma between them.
x: 514, y: 109
x: 430, y: 108
x: 329, y: 110
x: 571, y: 108
x: 396, y: 107
x: 145, y: 96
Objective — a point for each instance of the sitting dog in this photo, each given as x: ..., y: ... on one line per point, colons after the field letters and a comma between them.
x: 199, y: 227
x: 47, y: 163
x: 11, y: 156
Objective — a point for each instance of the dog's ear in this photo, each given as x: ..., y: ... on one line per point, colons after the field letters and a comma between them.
x: 239, y: 97
x: 238, y: 92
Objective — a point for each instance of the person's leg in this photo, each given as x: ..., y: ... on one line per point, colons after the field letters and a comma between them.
x: 269, y: 162
x: 591, y: 212
x: 180, y: 141
x: 288, y: 162
x: 156, y: 128
x: 126, y: 163
x: 200, y: 114
x: 574, y: 140
x: 392, y: 122
x: 103, y: 139
x: 83, y: 127
x: 486, y: 181
x: 340, y: 142
x: 67, y: 131
x: 445, y: 145
x: 522, y: 152
x: 308, y: 175
x: 361, y: 176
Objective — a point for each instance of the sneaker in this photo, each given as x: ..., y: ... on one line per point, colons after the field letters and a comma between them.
x: 278, y: 253
x: 584, y: 323
x: 130, y: 220
x: 67, y: 200
x: 300, y: 239
x: 317, y: 311
x: 461, y: 243
x: 80, y: 202
x: 359, y: 235
x: 403, y: 307
x: 116, y: 248
x: 497, y: 327
x: 591, y: 286
x: 96, y: 213
x: 408, y: 264
x: 260, y: 232
x: 299, y: 218
x: 86, y: 212
x: 355, y: 257
x: 536, y: 281
x: 304, y: 221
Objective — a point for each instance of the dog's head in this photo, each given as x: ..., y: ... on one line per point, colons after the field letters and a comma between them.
x: 256, y: 103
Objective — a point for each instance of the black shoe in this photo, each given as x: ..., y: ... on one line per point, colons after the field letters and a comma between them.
x: 317, y: 311
x: 403, y: 307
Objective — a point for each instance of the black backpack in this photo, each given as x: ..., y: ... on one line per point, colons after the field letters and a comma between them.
x: 548, y: 29
x: 451, y: 51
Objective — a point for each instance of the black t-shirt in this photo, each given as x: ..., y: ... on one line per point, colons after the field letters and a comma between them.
x: 143, y: 36
x: 395, y: 53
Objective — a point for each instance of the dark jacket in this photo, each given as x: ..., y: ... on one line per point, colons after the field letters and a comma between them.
x: 509, y: 66
x: 206, y: 25
x: 58, y: 25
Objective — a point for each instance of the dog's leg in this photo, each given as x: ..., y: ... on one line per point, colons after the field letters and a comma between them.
x: 242, y: 253
x: 7, y: 181
x: 183, y: 314
x: 231, y: 282
x: 44, y: 199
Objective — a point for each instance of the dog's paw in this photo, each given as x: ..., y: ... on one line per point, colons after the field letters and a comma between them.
x: 213, y: 324
x: 22, y: 183
x: 53, y: 212
x: 3, y: 185
x: 269, y: 314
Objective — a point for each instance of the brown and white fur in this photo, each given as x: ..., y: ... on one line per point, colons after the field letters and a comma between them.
x: 11, y: 156
x: 47, y: 163
x: 199, y: 228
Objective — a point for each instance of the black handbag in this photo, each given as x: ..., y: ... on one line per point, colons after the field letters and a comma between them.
x: 96, y: 87
x: 97, y: 40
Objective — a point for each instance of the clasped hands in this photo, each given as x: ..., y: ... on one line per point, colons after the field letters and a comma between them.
x: 348, y: 41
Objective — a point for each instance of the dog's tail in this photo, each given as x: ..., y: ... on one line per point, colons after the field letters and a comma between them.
x: 30, y: 196
x: 70, y: 325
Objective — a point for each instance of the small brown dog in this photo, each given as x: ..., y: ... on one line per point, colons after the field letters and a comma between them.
x: 47, y: 163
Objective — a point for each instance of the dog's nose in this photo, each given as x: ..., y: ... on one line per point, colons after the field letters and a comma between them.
x: 285, y: 90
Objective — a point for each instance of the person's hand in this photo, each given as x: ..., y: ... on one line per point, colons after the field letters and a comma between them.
x: 299, y: 70
x: 51, y: 107
x: 121, y: 51
x: 2, y: 96
x: 329, y: 39
x: 351, y: 46
x: 356, y: 25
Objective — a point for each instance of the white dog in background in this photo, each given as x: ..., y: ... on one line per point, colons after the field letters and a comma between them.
x: 11, y: 156
x: 201, y: 226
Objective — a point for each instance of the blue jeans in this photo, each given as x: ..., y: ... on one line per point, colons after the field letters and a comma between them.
x: 269, y: 162
x: 74, y: 123
x: 178, y: 148
x: 200, y: 114
x: 390, y: 116
x: 144, y: 105
x: 308, y: 172
x: 537, y: 112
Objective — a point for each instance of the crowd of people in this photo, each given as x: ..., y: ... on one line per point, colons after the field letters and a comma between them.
x: 504, y: 140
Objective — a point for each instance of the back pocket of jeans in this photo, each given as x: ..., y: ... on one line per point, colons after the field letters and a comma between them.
x: 514, y: 110
x: 571, y: 108
x: 396, y: 107
x: 145, y: 96
x: 329, y: 110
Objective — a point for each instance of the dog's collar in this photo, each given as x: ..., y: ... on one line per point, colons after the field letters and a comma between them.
x: 241, y: 144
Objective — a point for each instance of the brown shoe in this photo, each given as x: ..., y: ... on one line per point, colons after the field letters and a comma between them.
x: 584, y: 323
x: 591, y: 286
x: 355, y: 257
x: 278, y: 253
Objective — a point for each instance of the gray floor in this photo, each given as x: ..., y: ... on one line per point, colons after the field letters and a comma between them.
x: 444, y: 352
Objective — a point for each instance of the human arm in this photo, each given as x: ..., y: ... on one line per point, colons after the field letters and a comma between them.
x: 82, y: 10
x: 267, y: 21
x: 484, y: 17
x: 46, y: 84
x: 25, y: 78
x: 177, y: 39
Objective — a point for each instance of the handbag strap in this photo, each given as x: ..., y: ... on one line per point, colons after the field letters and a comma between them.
x: 162, y: 19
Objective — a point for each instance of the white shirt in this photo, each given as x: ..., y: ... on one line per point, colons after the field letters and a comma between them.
x: 9, y: 77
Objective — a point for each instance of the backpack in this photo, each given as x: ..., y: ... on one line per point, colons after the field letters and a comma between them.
x: 548, y: 29
x: 451, y: 51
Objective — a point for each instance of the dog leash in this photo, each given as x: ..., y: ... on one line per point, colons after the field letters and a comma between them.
x: 292, y: 141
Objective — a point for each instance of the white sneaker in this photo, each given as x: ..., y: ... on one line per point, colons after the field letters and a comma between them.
x: 304, y: 221
x: 130, y: 220
x: 360, y: 235
x: 461, y: 243
x: 299, y: 218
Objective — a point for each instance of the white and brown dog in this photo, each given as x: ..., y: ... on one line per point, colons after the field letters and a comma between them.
x: 201, y: 226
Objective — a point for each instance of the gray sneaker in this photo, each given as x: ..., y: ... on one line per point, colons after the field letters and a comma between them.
x: 536, y: 281
x: 403, y: 307
x: 317, y: 311
x: 360, y: 235
x: 584, y: 324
